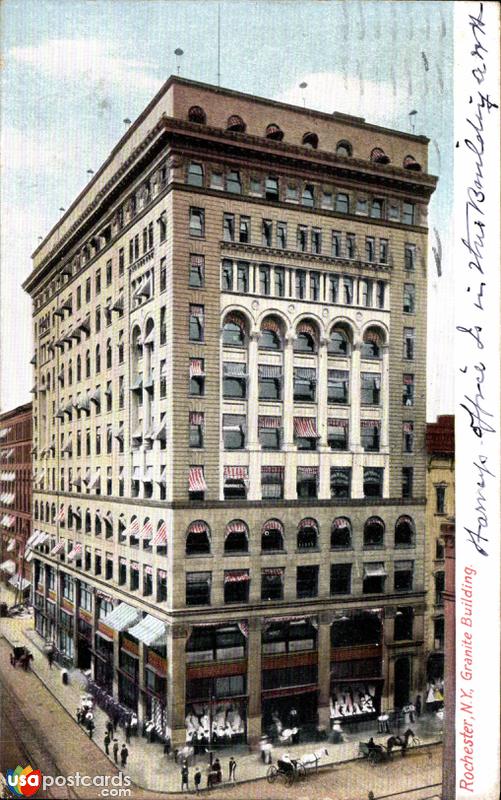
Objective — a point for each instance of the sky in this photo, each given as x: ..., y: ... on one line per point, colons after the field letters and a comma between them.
x: 73, y: 70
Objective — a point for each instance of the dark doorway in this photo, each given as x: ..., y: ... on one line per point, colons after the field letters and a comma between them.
x: 402, y: 681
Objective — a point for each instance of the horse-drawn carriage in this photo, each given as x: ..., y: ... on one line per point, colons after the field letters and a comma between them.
x: 21, y: 655
x: 291, y: 770
x: 377, y: 753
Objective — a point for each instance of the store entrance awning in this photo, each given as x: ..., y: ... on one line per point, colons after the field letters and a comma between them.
x: 149, y: 630
x: 8, y: 566
x: 19, y: 583
x: 122, y: 617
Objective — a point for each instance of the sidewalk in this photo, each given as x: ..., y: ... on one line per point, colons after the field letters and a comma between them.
x: 147, y: 766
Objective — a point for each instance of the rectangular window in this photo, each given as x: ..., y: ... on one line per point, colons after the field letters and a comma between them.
x: 162, y: 225
x: 362, y: 207
x: 408, y: 437
x: 234, y: 381
x: 269, y: 432
x: 196, y: 422
x: 236, y: 587
x: 163, y: 325
x: 409, y: 300
x: 272, y: 584
x: 307, y: 581
x: 216, y: 180
x: 279, y: 281
x: 233, y: 182
x: 163, y: 274
x: 282, y: 235
x: 198, y: 588
x: 150, y: 236
x: 197, y: 222
x: 409, y: 343
x: 267, y: 233
x: 351, y: 249
x: 348, y: 291
x: 233, y: 431
x: 408, y: 213
x: 98, y: 282
x: 407, y: 481
x: 109, y: 272
x: 370, y: 248
x: 197, y: 320
x: 271, y: 188
x: 136, y: 247
x: 315, y: 286
x: 316, y: 241
x: 79, y: 296
x: 365, y: 293
x: 272, y: 483
x: 327, y: 200
x: 245, y: 230
x: 227, y: 275
x: 337, y: 434
x: 307, y: 483
x: 302, y: 238
x: 440, y: 499
x: 410, y: 257
x: 242, y: 277
x: 229, y: 227
x: 121, y: 261
x: 370, y: 435
x: 300, y: 284
x: 408, y: 390
x: 337, y: 386
x: 333, y: 288
x: 264, y: 279
x: 87, y: 290
x: 291, y: 194
x: 197, y: 268
x: 256, y: 187
x: 403, y: 576
x: 374, y: 578
x: 383, y: 251
x: 197, y: 377
x: 336, y: 244
x: 340, y: 579
x: 380, y: 293
x: 373, y: 481
x: 370, y: 388
x: 304, y: 384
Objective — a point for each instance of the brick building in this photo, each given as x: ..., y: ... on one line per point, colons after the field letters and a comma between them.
x: 439, y: 510
x: 15, y: 498
x: 230, y: 475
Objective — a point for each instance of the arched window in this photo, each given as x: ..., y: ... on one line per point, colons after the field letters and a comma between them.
x: 271, y: 335
x: 53, y: 513
x: 374, y: 532
x: 306, y: 339
x: 233, y: 182
x: 35, y: 510
x: 109, y: 354
x: 237, y: 537
x: 372, y: 344
x: 340, y: 533
x: 274, y: 132
x: 70, y: 517
x: 97, y: 523
x: 149, y: 335
x: 87, y: 364
x: 310, y: 140
x: 137, y: 342
x: 307, y: 534
x: 198, y: 540
x: 404, y: 531
x: 235, y: 123
x: 342, y: 203
x: 378, y: 156
x: 70, y: 372
x: 197, y: 114
x: 47, y: 512
x: 308, y: 195
x: 133, y: 531
x: 234, y: 330
x: 78, y: 518
x: 98, y: 358
x: 79, y: 368
x: 339, y: 342
x: 411, y: 163
x: 272, y: 535
x: 88, y: 521
x: 195, y: 175
x: 344, y: 148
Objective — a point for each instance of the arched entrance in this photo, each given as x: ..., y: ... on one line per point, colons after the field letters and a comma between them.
x: 402, y: 681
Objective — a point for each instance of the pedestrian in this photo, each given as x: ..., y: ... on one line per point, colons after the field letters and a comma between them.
x: 109, y: 728
x: 124, y: 754
x: 107, y: 742
x: 127, y: 730
x: 232, y: 768
x: 115, y: 750
x: 197, y: 778
x: 419, y: 705
x: 184, y: 777
x: 90, y: 727
x: 50, y: 656
x: 115, y: 719
x: 79, y: 716
x: 217, y: 769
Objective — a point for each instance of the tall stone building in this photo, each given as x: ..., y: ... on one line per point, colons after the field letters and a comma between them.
x: 230, y: 327
x: 15, y: 499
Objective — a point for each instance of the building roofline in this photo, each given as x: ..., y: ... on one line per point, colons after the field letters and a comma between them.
x: 347, y: 119
x: 14, y: 412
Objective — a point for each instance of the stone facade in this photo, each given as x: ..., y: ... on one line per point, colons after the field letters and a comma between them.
x: 230, y: 327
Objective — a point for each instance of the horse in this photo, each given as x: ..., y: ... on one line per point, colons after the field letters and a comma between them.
x: 399, y: 741
x: 312, y: 759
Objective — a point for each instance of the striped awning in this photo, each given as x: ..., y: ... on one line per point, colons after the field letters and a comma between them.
x: 196, y: 480
x: 373, y: 336
x: 269, y: 422
x: 408, y: 427
x: 233, y: 369
x: 341, y: 522
x: 196, y: 418
x: 197, y: 311
x: 122, y: 617
x: 272, y: 525
x: 335, y: 375
x: 307, y: 374
x: 306, y: 327
x: 8, y: 521
x: 133, y: 529
x: 307, y: 472
x: 234, y: 318
x: 95, y: 396
x: 306, y: 427
x: 308, y: 522
x: 236, y: 576
x: 370, y: 423
x: 270, y: 324
x: 18, y: 582
x: 149, y: 630
x: 375, y: 521
x: 403, y: 519
x: 272, y: 469
x: 95, y: 479
x: 147, y: 530
x: 408, y: 380
x: 238, y: 473
x: 270, y: 371
x: 273, y: 572
x: 236, y: 526
x: 334, y: 422
x: 11, y: 546
x: 198, y: 527
x: 75, y: 551
x: 196, y: 368
x: 374, y: 570
x: 160, y: 537
x: 58, y: 548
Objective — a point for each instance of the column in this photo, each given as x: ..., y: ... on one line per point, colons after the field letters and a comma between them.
x: 116, y: 663
x: 176, y: 683
x: 146, y: 394
x: 254, y: 668
x: 141, y: 705
x: 385, y: 400
x: 388, y: 662
x: 324, y: 670
x: 290, y: 489
x: 76, y: 640
x: 355, y: 405
x: 324, y: 488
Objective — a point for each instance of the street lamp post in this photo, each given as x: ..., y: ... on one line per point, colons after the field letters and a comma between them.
x: 211, y: 754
